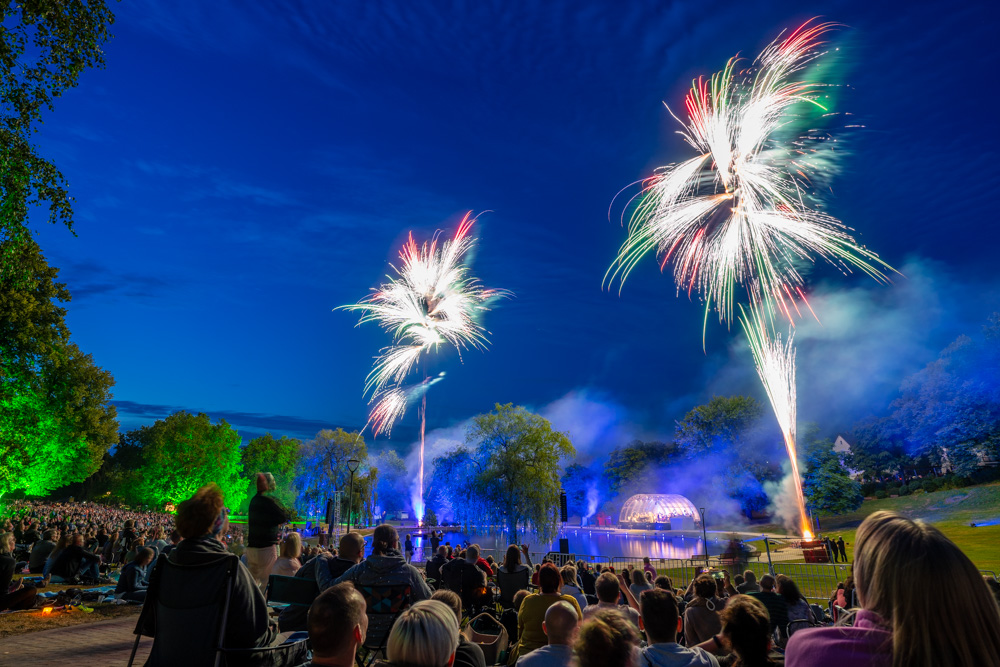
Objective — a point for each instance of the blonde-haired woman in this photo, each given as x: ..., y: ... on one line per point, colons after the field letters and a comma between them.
x: 288, y: 562
x: 425, y: 635
x: 923, y: 603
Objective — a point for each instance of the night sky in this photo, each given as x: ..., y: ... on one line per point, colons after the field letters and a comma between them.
x: 242, y: 168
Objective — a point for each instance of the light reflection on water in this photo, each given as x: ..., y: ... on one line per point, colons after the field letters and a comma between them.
x: 583, y: 542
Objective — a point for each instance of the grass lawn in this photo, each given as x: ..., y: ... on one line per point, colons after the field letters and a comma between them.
x: 950, y: 511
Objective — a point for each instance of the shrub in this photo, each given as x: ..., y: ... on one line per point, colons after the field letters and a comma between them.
x: 904, y: 490
x: 881, y: 494
x: 931, y: 485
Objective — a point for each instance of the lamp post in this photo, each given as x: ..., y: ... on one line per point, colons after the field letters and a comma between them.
x: 704, y: 534
x: 352, y: 465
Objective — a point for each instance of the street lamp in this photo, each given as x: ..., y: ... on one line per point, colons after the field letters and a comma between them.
x: 352, y: 465
x: 704, y: 534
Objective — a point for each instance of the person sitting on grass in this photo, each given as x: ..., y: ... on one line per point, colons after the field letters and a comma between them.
x: 76, y: 563
x: 41, y: 551
x: 425, y: 635
x: 134, y: 578
x: 16, y: 596
x: 560, y: 626
x: 467, y: 654
x: 606, y: 639
x: 923, y: 603
x: 338, y: 625
x: 661, y: 622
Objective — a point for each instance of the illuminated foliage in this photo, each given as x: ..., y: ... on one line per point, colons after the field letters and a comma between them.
x: 55, y: 419
x: 184, y: 452
x: 278, y: 457
x: 322, y: 468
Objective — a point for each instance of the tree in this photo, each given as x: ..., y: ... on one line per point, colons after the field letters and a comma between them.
x: 518, y: 455
x: 827, y: 486
x: 278, y: 457
x: 632, y: 464
x: 322, y: 468
x: 44, y: 47
x: 392, y: 489
x: 878, y: 448
x: 184, y: 452
x: 452, y: 487
x: 56, y: 421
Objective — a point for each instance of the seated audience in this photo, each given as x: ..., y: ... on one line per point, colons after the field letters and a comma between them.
x: 134, y: 579
x: 467, y: 654
x: 41, y: 551
x: 639, y: 583
x: 746, y: 631
x: 337, y: 626
x: 201, y: 519
x: 606, y: 639
x: 433, y: 566
x: 465, y: 577
x: 324, y: 569
x: 75, y: 563
x: 777, y: 607
x: 425, y: 635
x: 749, y: 584
x: 609, y: 591
x: 701, y: 615
x: 570, y: 587
x: 19, y: 596
x: 798, y: 607
x: 560, y: 625
x: 923, y: 603
x: 661, y: 622
x: 386, y: 566
x: 288, y: 560
x: 587, y: 578
x: 532, y: 614
x: 512, y: 575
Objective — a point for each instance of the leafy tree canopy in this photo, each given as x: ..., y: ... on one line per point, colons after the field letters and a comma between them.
x: 631, y: 465
x: 44, y: 47
x: 185, y: 452
x: 826, y: 483
x: 276, y: 456
x: 322, y: 467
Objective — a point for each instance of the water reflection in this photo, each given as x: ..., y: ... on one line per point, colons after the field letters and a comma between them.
x: 583, y: 542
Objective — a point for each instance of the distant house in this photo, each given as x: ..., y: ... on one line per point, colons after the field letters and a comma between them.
x: 843, y: 450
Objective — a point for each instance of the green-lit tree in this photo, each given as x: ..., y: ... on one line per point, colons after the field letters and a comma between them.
x: 184, y: 452
x: 56, y: 421
x: 44, y: 47
x: 278, y: 457
x: 519, y: 456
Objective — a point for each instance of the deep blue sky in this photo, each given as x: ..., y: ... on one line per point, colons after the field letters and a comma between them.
x: 241, y: 168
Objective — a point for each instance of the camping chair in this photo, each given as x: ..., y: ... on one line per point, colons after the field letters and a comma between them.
x: 510, y: 583
x: 383, y: 605
x: 284, y: 591
x: 186, y: 610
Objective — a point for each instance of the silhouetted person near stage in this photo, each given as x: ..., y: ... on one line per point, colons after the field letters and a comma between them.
x: 264, y: 521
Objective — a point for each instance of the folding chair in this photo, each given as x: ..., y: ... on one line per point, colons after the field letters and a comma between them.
x: 283, y: 591
x: 383, y: 605
x: 186, y: 610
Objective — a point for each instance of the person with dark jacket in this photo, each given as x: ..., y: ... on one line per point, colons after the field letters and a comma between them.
x: 587, y: 578
x: 200, y: 521
x: 324, y: 569
x: 468, y: 654
x: 132, y: 582
x: 31, y: 535
x: 386, y: 567
x: 41, y: 551
x: 777, y: 606
x: 264, y: 520
x: 434, y: 565
x: 76, y: 562
x: 22, y: 597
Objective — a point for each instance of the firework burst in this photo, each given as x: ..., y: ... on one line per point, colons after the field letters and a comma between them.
x: 739, y: 213
x: 430, y: 300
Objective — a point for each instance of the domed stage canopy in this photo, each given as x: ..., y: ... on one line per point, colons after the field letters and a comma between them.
x: 659, y: 511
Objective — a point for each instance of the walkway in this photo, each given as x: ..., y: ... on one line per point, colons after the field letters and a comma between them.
x: 99, y: 644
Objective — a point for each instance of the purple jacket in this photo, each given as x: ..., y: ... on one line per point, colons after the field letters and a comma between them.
x: 867, y: 644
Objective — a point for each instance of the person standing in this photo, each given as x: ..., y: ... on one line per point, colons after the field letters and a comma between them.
x: 842, y: 547
x: 408, y: 548
x: 264, y: 521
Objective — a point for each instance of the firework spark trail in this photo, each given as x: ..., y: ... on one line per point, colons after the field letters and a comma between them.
x: 738, y: 213
x: 432, y: 300
x: 741, y: 211
x: 775, y: 362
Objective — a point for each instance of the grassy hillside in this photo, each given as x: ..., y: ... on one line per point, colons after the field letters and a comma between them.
x: 950, y: 511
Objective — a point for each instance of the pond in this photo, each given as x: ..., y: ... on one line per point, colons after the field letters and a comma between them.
x: 584, y: 542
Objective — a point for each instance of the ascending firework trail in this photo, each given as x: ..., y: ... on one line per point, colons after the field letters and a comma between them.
x: 743, y: 212
x: 430, y: 300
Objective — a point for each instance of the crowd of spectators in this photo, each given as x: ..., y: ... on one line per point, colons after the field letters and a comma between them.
x: 913, y: 599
